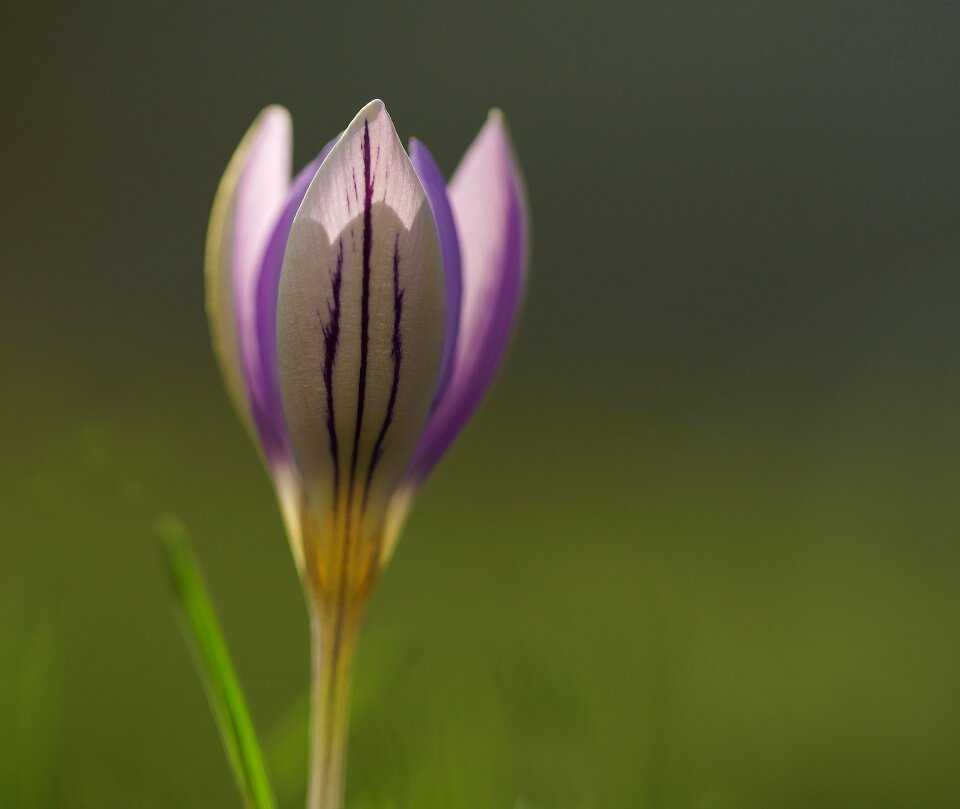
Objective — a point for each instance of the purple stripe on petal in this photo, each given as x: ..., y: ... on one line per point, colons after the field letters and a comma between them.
x: 364, y: 298
x: 489, y: 207
x: 396, y: 354
x: 262, y: 379
x: 331, y: 340
x: 433, y: 183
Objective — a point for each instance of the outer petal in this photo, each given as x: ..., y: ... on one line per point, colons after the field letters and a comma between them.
x: 436, y: 188
x: 249, y: 199
x: 265, y: 389
x: 360, y: 325
x: 489, y: 207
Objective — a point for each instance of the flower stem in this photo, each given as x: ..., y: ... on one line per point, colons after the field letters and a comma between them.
x: 334, y: 641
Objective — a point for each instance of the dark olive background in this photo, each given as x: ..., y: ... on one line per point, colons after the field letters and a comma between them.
x: 701, y: 547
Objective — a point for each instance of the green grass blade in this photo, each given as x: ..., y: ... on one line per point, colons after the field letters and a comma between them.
x: 216, y: 668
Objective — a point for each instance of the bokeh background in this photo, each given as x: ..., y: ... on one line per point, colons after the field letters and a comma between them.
x: 699, y: 549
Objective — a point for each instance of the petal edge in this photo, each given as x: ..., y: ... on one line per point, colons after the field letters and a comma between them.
x: 246, y: 204
x: 488, y: 200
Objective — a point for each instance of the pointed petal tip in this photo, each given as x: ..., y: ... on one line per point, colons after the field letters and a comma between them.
x: 370, y: 113
x: 497, y: 129
x: 372, y: 109
x: 274, y: 110
x: 496, y: 118
x: 416, y: 149
x: 273, y: 117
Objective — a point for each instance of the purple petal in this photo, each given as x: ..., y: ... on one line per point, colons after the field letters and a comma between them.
x: 262, y: 378
x: 489, y: 209
x: 436, y: 188
x: 248, y: 200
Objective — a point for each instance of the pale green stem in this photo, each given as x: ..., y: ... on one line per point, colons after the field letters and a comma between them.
x: 334, y: 642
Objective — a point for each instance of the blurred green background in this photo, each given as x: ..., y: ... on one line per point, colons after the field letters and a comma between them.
x: 699, y: 549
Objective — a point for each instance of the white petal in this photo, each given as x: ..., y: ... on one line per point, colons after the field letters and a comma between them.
x: 357, y: 382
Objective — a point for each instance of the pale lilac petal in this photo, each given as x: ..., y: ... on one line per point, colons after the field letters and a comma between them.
x: 436, y: 188
x: 264, y: 381
x: 489, y: 208
x: 360, y: 322
x: 248, y: 201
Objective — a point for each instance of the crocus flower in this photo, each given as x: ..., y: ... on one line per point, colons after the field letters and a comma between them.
x: 359, y: 313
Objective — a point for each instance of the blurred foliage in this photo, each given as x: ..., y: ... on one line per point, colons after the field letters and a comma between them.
x: 592, y: 607
x: 31, y: 703
x: 215, y: 667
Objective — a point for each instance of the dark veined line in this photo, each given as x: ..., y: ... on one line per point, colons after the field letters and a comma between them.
x: 331, y: 339
x: 367, y: 247
x: 397, y: 354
